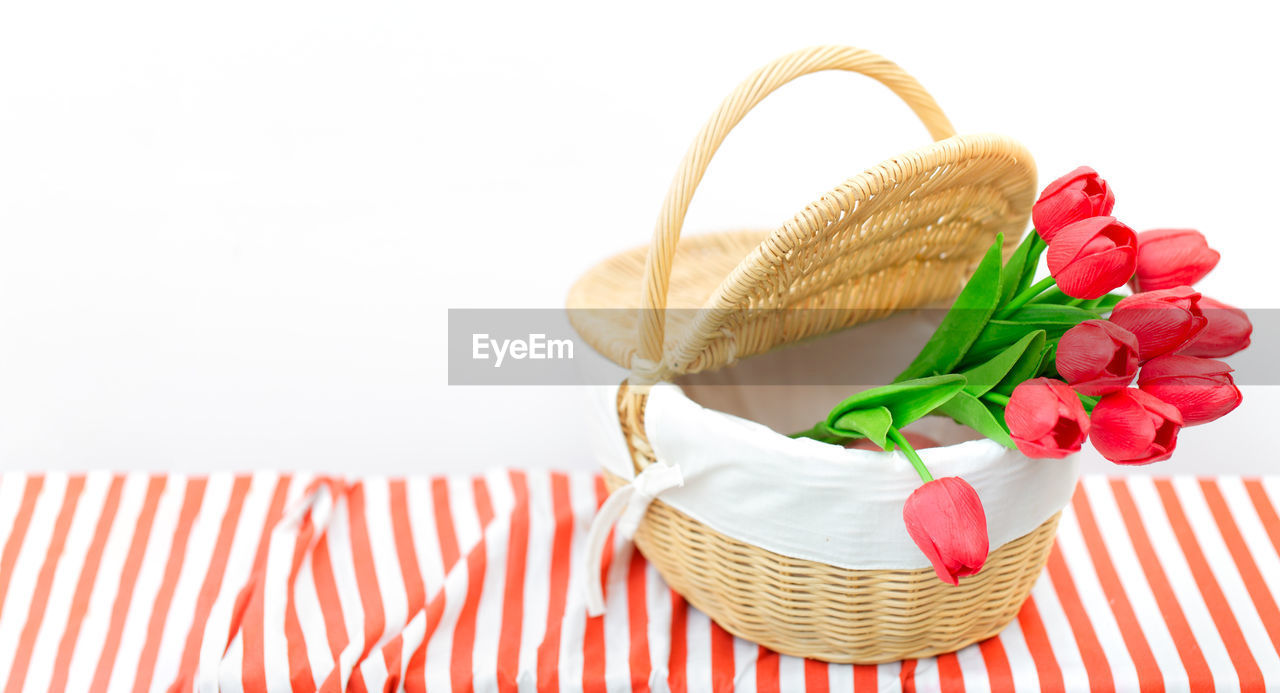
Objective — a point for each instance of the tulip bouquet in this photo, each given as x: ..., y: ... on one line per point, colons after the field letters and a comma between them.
x: 1044, y: 365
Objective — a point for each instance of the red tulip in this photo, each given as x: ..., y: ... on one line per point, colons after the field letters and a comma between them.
x: 1092, y: 256
x: 945, y: 519
x: 1135, y: 427
x: 1164, y: 321
x: 1201, y: 389
x: 1078, y: 195
x: 1097, y: 357
x: 1046, y: 419
x: 1172, y: 257
x: 1228, y: 330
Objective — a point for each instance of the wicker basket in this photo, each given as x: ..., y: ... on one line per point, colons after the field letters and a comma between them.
x: 903, y: 234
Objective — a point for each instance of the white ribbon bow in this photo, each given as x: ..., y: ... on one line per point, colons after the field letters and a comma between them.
x: 626, y: 507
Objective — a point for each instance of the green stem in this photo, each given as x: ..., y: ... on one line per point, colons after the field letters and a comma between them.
x: 1091, y: 304
x: 996, y: 398
x: 1024, y: 296
x: 901, y: 443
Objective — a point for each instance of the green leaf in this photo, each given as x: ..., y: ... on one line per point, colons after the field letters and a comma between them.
x: 964, y: 322
x: 905, y: 401
x: 1054, y: 295
x: 998, y: 334
x: 1021, y: 267
x: 982, y: 417
x: 872, y: 423
x: 821, y: 431
x: 992, y: 372
x: 1097, y: 305
x: 1106, y: 303
x: 1027, y: 367
x: 1037, y: 313
x: 1049, y: 365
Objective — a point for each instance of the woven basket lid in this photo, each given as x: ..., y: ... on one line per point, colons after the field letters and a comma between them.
x: 902, y: 234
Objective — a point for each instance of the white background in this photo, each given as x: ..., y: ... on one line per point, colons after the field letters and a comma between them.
x: 230, y: 232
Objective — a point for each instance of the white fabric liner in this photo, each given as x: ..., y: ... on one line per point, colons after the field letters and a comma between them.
x: 821, y: 502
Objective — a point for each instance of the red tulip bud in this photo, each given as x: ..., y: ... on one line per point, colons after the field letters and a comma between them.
x: 1172, y: 257
x: 1134, y: 427
x: 1092, y: 256
x: 1078, y: 195
x: 1097, y: 357
x: 1164, y: 321
x: 1201, y: 389
x: 1228, y: 330
x: 945, y: 519
x: 1046, y: 419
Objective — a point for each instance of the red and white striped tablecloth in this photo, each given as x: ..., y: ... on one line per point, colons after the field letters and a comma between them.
x: 297, y: 583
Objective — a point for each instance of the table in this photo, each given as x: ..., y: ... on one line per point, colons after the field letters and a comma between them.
x: 296, y: 582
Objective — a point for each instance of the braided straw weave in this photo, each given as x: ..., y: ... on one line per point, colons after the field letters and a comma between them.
x: 903, y: 234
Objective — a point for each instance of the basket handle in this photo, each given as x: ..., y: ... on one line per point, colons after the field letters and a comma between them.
x: 657, y: 266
